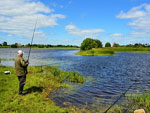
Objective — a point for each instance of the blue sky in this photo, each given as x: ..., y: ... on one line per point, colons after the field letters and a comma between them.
x: 71, y: 21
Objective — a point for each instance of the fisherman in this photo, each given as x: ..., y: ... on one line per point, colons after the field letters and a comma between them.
x: 21, y: 70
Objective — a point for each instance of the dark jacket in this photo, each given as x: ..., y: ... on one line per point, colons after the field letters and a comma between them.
x: 21, y: 66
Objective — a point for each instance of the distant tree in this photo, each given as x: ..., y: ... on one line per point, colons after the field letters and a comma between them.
x: 147, y: 45
x: 47, y: 46
x: 107, y: 44
x: 40, y: 46
x: 14, y: 45
x: 34, y: 45
x: 99, y: 44
x: 116, y: 45
x: 129, y: 45
x: 59, y: 45
x: 89, y: 43
x: 139, y: 45
x: 4, y: 44
x: 28, y: 45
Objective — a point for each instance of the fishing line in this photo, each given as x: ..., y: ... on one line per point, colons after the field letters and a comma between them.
x: 123, y: 94
x: 32, y: 38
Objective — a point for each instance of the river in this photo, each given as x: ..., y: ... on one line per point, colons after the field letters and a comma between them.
x: 107, y: 76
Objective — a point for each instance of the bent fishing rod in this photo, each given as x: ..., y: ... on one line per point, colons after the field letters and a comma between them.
x: 32, y: 39
x: 122, y: 95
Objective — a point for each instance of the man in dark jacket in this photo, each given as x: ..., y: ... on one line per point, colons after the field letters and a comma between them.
x: 21, y: 70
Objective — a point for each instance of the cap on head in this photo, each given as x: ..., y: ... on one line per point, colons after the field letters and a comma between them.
x: 20, y: 52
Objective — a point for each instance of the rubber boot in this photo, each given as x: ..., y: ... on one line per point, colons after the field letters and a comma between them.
x: 21, y: 89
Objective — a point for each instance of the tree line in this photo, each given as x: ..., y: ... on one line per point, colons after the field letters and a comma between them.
x: 87, y: 44
x: 17, y: 45
x: 90, y: 43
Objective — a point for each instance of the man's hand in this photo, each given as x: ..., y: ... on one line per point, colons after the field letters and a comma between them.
x: 27, y: 62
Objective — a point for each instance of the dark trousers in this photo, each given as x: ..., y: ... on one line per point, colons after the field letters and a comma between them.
x: 22, y: 80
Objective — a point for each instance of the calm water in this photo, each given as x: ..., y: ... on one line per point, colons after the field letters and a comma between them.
x: 107, y: 76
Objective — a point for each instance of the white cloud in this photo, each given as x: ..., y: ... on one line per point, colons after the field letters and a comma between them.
x: 116, y: 35
x: 17, y: 17
x: 22, y: 7
x: 135, y: 12
x: 135, y: 34
x: 92, y: 33
x: 141, y: 24
x: 118, y: 38
x: 140, y: 20
x: 55, y: 4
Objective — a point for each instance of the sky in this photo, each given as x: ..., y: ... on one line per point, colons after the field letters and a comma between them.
x: 69, y: 22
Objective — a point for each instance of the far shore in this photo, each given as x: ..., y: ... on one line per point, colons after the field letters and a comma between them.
x: 106, y: 51
x: 43, y: 48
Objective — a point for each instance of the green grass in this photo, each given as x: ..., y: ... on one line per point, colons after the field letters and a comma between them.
x: 134, y: 102
x: 112, y: 50
x: 40, y: 83
x: 5, y: 46
x: 140, y: 101
x: 95, y: 52
x: 128, y: 49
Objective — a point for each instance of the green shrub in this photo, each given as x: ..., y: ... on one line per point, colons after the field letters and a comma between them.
x: 107, y: 44
x: 116, y: 45
x: 89, y: 43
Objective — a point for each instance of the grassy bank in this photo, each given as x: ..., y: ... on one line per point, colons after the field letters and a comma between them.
x: 95, y: 52
x: 111, y: 51
x: 134, y: 102
x: 40, y: 83
x: 128, y: 49
x: 140, y: 101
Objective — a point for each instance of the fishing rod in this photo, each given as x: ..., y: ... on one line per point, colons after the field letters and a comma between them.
x: 122, y: 95
x: 32, y: 38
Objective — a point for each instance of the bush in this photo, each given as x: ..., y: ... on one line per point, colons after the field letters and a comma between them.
x: 14, y: 46
x: 99, y: 44
x: 4, y: 43
x: 89, y: 43
x: 107, y: 44
x: 116, y: 45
